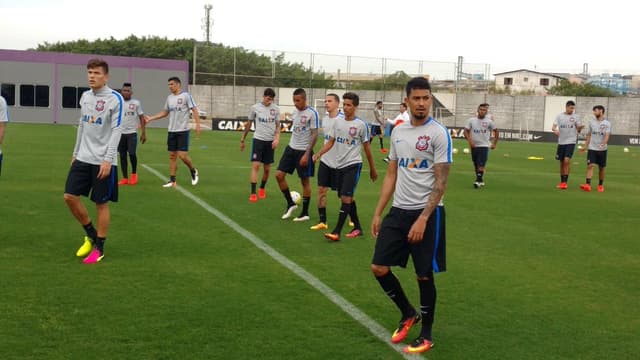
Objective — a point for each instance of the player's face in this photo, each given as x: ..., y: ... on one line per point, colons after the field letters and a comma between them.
x: 126, y: 92
x: 97, y: 77
x: 597, y: 113
x: 482, y: 112
x: 300, y: 101
x: 570, y: 109
x: 419, y: 102
x: 330, y: 103
x: 174, y: 87
x: 267, y: 100
x: 348, y: 108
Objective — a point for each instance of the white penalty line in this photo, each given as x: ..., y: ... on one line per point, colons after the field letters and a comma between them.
x: 376, y: 329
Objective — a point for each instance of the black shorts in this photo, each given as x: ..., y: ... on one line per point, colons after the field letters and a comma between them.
x: 262, y: 151
x: 327, y: 176
x: 348, y: 179
x: 565, y: 151
x: 128, y: 143
x: 479, y: 155
x: 83, y: 178
x: 178, y: 141
x: 597, y: 157
x: 290, y: 161
x: 393, y: 248
x: 375, y: 130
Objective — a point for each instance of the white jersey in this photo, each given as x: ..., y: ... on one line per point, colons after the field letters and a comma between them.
x: 132, y: 110
x: 349, y: 136
x: 265, y: 118
x: 4, y: 110
x: 480, y: 130
x: 568, y: 128
x: 99, y: 128
x: 178, y: 107
x: 329, y: 158
x: 598, y: 131
x: 417, y: 149
x: 303, y: 122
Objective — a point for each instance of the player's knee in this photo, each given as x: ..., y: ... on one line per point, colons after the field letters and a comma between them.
x: 426, y: 277
x: 280, y: 176
x: 173, y: 156
x: 379, y: 270
x: 69, y: 198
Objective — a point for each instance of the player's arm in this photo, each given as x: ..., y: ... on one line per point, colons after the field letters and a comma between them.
x: 276, y: 137
x: 388, y: 186
x: 373, y: 174
x: 441, y: 175
x: 157, y: 116
x: 304, y: 161
x: 605, y: 141
x: 467, y: 135
x: 245, y: 132
x: 554, y: 128
x: 326, y: 147
x: 496, y: 133
x: 76, y: 147
x: 143, y: 128
x: 3, y: 125
x: 195, y: 113
x: 112, y: 146
x: 587, y: 140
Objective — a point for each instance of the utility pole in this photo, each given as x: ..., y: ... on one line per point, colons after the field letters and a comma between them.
x: 207, y: 23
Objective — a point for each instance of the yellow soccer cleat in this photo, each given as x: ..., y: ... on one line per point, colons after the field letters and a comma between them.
x: 319, y: 226
x: 85, y: 248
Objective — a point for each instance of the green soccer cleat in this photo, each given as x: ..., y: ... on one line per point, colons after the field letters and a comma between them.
x: 85, y: 248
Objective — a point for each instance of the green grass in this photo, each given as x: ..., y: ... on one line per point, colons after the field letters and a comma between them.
x: 533, y: 272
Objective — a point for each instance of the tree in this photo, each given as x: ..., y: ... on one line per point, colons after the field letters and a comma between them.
x: 567, y: 88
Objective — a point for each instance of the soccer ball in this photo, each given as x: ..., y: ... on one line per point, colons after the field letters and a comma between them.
x: 295, y: 196
x: 455, y: 150
x: 625, y: 149
x: 466, y: 150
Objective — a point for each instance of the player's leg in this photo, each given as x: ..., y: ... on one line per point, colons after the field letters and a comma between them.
x: 591, y: 162
x: 266, y: 171
x: 79, y: 183
x: 306, y: 199
x: 266, y: 157
x: 325, y: 174
x: 602, y: 165
x: 286, y: 166
x: 122, y: 151
x: 183, y: 154
x: 132, y: 149
x: 173, y: 169
x: 255, y: 168
x: 103, y: 191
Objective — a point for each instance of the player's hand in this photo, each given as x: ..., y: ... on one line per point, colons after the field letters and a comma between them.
x: 147, y: 119
x: 373, y: 174
x: 105, y: 170
x: 584, y: 149
x: 493, y: 146
x: 375, y: 225
x: 416, y: 233
x: 241, y: 145
x: 315, y: 157
x: 73, y: 159
x: 304, y: 161
x: 274, y: 144
x: 197, y: 131
x: 143, y: 138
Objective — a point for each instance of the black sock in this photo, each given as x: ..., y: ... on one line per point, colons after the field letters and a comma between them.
x: 263, y: 183
x: 287, y: 196
x: 381, y: 144
x: 345, y: 210
x: 305, y: 205
x: 588, y: 181
x: 353, y: 214
x: 100, y: 244
x: 427, y: 305
x: 393, y: 289
x: 193, y: 171
x: 323, y: 214
x: 600, y: 182
x: 123, y: 164
x: 91, y: 231
x: 565, y: 178
x: 479, y: 176
x: 253, y: 188
x: 134, y: 163
x: 172, y: 178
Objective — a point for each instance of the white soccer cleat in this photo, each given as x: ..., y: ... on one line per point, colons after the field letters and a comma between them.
x: 289, y: 211
x: 194, y: 177
x: 302, y: 218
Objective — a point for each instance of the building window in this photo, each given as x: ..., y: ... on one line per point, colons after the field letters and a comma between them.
x: 508, y: 81
x: 526, y: 79
x: 9, y: 93
x: 71, y: 96
x: 34, y: 95
x: 544, y: 82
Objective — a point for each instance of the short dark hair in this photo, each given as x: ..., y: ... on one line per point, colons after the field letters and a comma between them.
x: 175, y: 79
x: 599, y: 107
x: 419, y: 82
x: 570, y: 103
x: 97, y: 62
x: 300, y: 91
x: 335, y: 96
x: 126, y: 85
x: 378, y: 102
x: 483, y: 105
x: 269, y: 92
x: 355, y: 99
x: 404, y: 104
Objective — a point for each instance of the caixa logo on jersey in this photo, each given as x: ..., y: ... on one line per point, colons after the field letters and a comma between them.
x: 411, y: 163
x: 423, y: 143
x: 92, y: 120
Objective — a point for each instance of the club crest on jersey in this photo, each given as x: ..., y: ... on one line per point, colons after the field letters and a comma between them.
x: 353, y: 131
x: 179, y: 101
x: 132, y: 106
x: 100, y: 105
x: 272, y: 112
x: 485, y: 124
x: 423, y: 143
x: 303, y: 119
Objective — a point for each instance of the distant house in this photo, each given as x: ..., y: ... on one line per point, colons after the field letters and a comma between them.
x: 527, y: 80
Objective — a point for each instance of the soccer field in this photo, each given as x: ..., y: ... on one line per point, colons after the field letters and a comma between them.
x: 533, y: 272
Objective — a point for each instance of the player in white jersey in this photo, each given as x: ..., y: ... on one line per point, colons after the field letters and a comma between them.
x: 478, y: 133
x: 266, y: 117
x: 596, y: 143
x: 566, y: 126
x: 402, y: 117
x: 419, y: 162
x: 298, y: 154
x: 179, y: 104
x: 346, y: 137
x: 94, y: 162
x: 4, y: 118
x: 378, y: 125
x: 132, y: 116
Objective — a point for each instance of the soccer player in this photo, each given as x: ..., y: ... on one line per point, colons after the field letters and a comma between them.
x: 94, y: 162
x: 327, y: 167
x: 132, y: 115
x: 402, y: 117
x: 347, y: 136
x: 478, y: 134
x: 177, y: 107
x: 298, y: 154
x: 378, y: 125
x: 420, y: 157
x: 566, y: 126
x: 4, y: 118
x: 596, y: 142
x: 266, y: 116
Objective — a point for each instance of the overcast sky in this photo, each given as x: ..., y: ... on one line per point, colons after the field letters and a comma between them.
x: 545, y: 35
